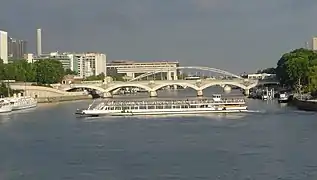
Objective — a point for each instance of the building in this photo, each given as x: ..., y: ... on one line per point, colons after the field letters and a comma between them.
x: 91, y: 64
x: 39, y: 42
x: 4, y: 46
x: 85, y: 64
x: 62, y: 57
x: 133, y: 69
x: 314, y: 44
x: 29, y: 57
x: 16, y: 48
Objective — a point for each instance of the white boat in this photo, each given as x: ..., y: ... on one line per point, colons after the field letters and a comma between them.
x: 283, y: 98
x: 23, y: 102
x: 264, y: 97
x: 5, y: 106
x: 163, y: 107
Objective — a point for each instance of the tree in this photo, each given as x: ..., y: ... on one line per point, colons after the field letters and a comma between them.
x: 48, y: 71
x: 70, y: 72
x: 100, y: 76
x: 298, y: 66
x: 268, y: 71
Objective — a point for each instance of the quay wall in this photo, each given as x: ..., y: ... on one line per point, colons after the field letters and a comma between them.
x: 62, y: 98
x: 306, y: 105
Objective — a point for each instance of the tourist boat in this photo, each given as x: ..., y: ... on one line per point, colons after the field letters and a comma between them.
x: 23, y: 102
x: 5, y: 106
x: 216, y: 104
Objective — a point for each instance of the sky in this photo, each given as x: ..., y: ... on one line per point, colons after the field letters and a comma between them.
x: 233, y: 35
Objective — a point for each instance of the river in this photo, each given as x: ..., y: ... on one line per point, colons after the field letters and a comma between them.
x: 277, y: 142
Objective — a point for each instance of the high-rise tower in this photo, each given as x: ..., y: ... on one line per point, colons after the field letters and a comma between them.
x: 39, y: 41
x: 4, y: 46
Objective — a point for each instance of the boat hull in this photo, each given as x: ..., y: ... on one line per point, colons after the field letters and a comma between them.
x: 21, y: 107
x: 5, y: 109
x: 283, y: 100
x: 90, y: 113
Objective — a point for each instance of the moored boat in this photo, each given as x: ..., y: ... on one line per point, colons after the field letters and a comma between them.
x: 23, y: 102
x: 163, y: 107
x: 5, y: 106
x: 283, y: 97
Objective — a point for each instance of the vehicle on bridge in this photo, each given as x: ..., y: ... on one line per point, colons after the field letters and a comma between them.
x: 166, y: 107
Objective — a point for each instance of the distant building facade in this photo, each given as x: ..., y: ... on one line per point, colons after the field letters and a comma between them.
x: 16, y: 48
x: 62, y: 57
x: 133, y: 69
x: 85, y: 64
x: 4, y: 46
x: 91, y: 64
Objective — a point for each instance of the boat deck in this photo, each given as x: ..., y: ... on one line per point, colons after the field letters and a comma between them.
x: 172, y: 102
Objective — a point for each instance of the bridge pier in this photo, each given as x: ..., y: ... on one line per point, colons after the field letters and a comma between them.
x: 226, y: 88
x: 107, y: 95
x: 153, y: 94
x: 246, y: 92
x: 200, y: 93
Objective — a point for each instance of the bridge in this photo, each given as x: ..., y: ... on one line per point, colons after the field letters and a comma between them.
x: 153, y: 86
x: 172, y: 72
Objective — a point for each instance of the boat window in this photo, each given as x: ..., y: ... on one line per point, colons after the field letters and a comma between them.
x: 168, y: 106
x: 111, y: 108
x: 142, y: 107
x: 184, y: 106
x: 151, y: 107
x: 159, y: 107
x: 193, y: 106
x: 118, y: 108
x: 177, y: 107
x: 136, y: 107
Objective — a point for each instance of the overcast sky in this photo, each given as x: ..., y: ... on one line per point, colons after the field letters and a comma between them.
x: 235, y: 35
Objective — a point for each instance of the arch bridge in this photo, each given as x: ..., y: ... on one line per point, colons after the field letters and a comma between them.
x: 174, y: 76
x: 153, y: 86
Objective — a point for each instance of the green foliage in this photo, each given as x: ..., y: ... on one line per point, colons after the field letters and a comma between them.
x: 298, y: 67
x: 268, y: 71
x: 95, y: 78
x: 117, y: 77
x: 43, y: 71
x: 48, y: 71
x: 4, y: 90
x: 70, y: 72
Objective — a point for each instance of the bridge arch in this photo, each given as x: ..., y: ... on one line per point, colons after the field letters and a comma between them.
x: 175, y: 83
x: 188, y: 67
x: 85, y: 86
x: 223, y: 83
x: 116, y: 86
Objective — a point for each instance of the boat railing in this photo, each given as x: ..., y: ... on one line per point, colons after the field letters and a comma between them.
x: 168, y: 102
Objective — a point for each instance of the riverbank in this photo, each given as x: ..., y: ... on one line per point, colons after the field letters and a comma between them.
x: 62, y: 98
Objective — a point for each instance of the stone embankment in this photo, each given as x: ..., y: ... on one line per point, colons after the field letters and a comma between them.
x: 62, y: 98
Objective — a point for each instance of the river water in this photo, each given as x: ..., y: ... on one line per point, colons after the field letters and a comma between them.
x: 275, y: 142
